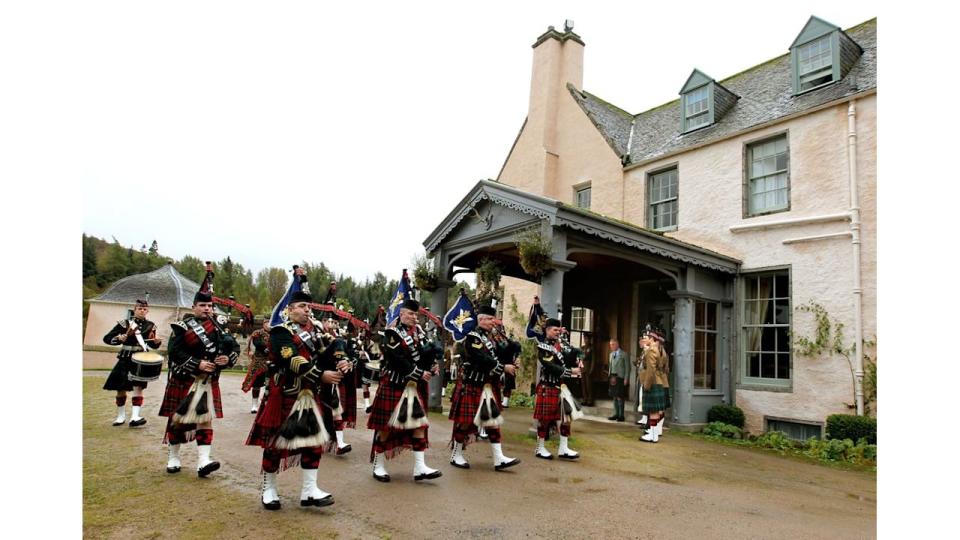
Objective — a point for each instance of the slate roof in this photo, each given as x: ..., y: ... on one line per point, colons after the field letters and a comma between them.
x: 167, y: 288
x: 766, y: 94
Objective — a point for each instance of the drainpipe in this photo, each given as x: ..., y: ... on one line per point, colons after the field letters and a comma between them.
x: 855, y: 231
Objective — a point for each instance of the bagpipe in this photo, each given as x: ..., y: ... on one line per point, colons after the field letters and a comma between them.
x: 196, y: 407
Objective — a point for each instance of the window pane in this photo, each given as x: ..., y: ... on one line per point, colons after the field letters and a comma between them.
x: 712, y: 317
x: 768, y: 365
x: 753, y: 365
x: 783, y: 366
x: 783, y: 311
x: 782, y: 286
x: 752, y: 339
x: 768, y: 340
x: 783, y: 339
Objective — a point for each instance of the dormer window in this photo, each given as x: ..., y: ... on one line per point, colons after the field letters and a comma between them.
x: 697, y: 107
x: 815, y: 63
x: 822, y: 54
x: 703, y: 101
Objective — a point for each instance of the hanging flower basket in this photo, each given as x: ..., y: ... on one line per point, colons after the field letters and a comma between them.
x: 535, y: 253
x: 424, y: 275
x: 488, y: 279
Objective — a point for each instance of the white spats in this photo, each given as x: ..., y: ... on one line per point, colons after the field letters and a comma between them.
x: 456, y: 457
x: 135, y: 413
x: 205, y: 465
x: 379, y: 467
x: 269, y: 496
x: 501, y: 461
x: 420, y: 469
x: 340, y: 443
x: 642, y: 421
x: 173, y: 458
x: 564, y: 450
x: 505, y: 402
x: 366, y: 403
x: 542, y: 451
x: 342, y: 447
x: 121, y: 416
x: 653, y: 433
x: 254, y: 401
x: 310, y: 494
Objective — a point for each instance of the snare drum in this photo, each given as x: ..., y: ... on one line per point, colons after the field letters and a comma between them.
x: 370, y: 372
x: 146, y: 366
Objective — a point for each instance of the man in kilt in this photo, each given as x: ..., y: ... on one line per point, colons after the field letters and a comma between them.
x: 256, y: 377
x: 476, y: 397
x: 125, y: 334
x: 198, y: 349
x: 547, y: 409
x: 296, y: 418
x: 409, y: 363
x: 341, y: 350
x: 655, y: 380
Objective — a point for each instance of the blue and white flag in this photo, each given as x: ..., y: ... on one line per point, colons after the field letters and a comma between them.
x: 404, y: 292
x: 279, y: 315
x: 461, y: 318
x: 537, y: 319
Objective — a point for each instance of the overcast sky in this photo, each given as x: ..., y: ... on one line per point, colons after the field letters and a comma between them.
x: 211, y: 127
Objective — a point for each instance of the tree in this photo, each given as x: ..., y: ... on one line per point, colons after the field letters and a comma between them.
x: 154, y: 248
x: 271, y: 285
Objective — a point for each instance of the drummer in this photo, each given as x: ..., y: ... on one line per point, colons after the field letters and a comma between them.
x: 125, y: 334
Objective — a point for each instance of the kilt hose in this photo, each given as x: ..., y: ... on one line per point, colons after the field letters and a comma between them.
x: 264, y: 434
x: 118, y: 379
x: 176, y: 392
x: 398, y: 440
x: 657, y: 398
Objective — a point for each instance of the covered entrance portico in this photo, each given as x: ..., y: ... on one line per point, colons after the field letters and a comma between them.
x: 623, y: 276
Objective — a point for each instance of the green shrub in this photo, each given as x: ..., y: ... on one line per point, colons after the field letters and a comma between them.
x: 521, y: 399
x: 728, y: 414
x: 774, y: 439
x: 721, y: 430
x: 841, y: 450
x: 849, y: 426
x: 449, y: 391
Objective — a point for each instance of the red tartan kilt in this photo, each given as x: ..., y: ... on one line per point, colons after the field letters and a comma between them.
x: 265, y: 437
x: 465, y: 402
x: 348, y: 400
x: 547, y: 407
x: 177, y: 390
x: 385, y: 402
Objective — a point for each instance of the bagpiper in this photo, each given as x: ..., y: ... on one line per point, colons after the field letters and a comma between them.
x: 256, y: 377
x: 476, y: 398
x: 398, y: 416
x: 199, y: 349
x: 296, y: 419
x: 554, y: 402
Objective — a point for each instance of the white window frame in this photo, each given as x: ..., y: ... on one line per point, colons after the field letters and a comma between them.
x: 654, y: 202
x: 752, y: 189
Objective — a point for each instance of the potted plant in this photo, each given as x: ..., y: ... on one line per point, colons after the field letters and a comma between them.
x: 424, y: 274
x: 488, y: 279
x: 535, y: 252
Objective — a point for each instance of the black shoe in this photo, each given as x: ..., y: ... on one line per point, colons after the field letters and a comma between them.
x: 611, y: 418
x: 140, y: 422
x: 511, y: 463
x: 483, y: 437
x: 621, y: 419
x: 543, y: 457
x: 427, y: 476
x: 384, y: 478
x: 326, y: 501
x: 173, y: 470
x: 120, y: 423
x: 272, y: 505
x: 459, y: 466
x: 341, y: 451
x: 208, y: 468
x: 568, y: 456
x: 368, y: 409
